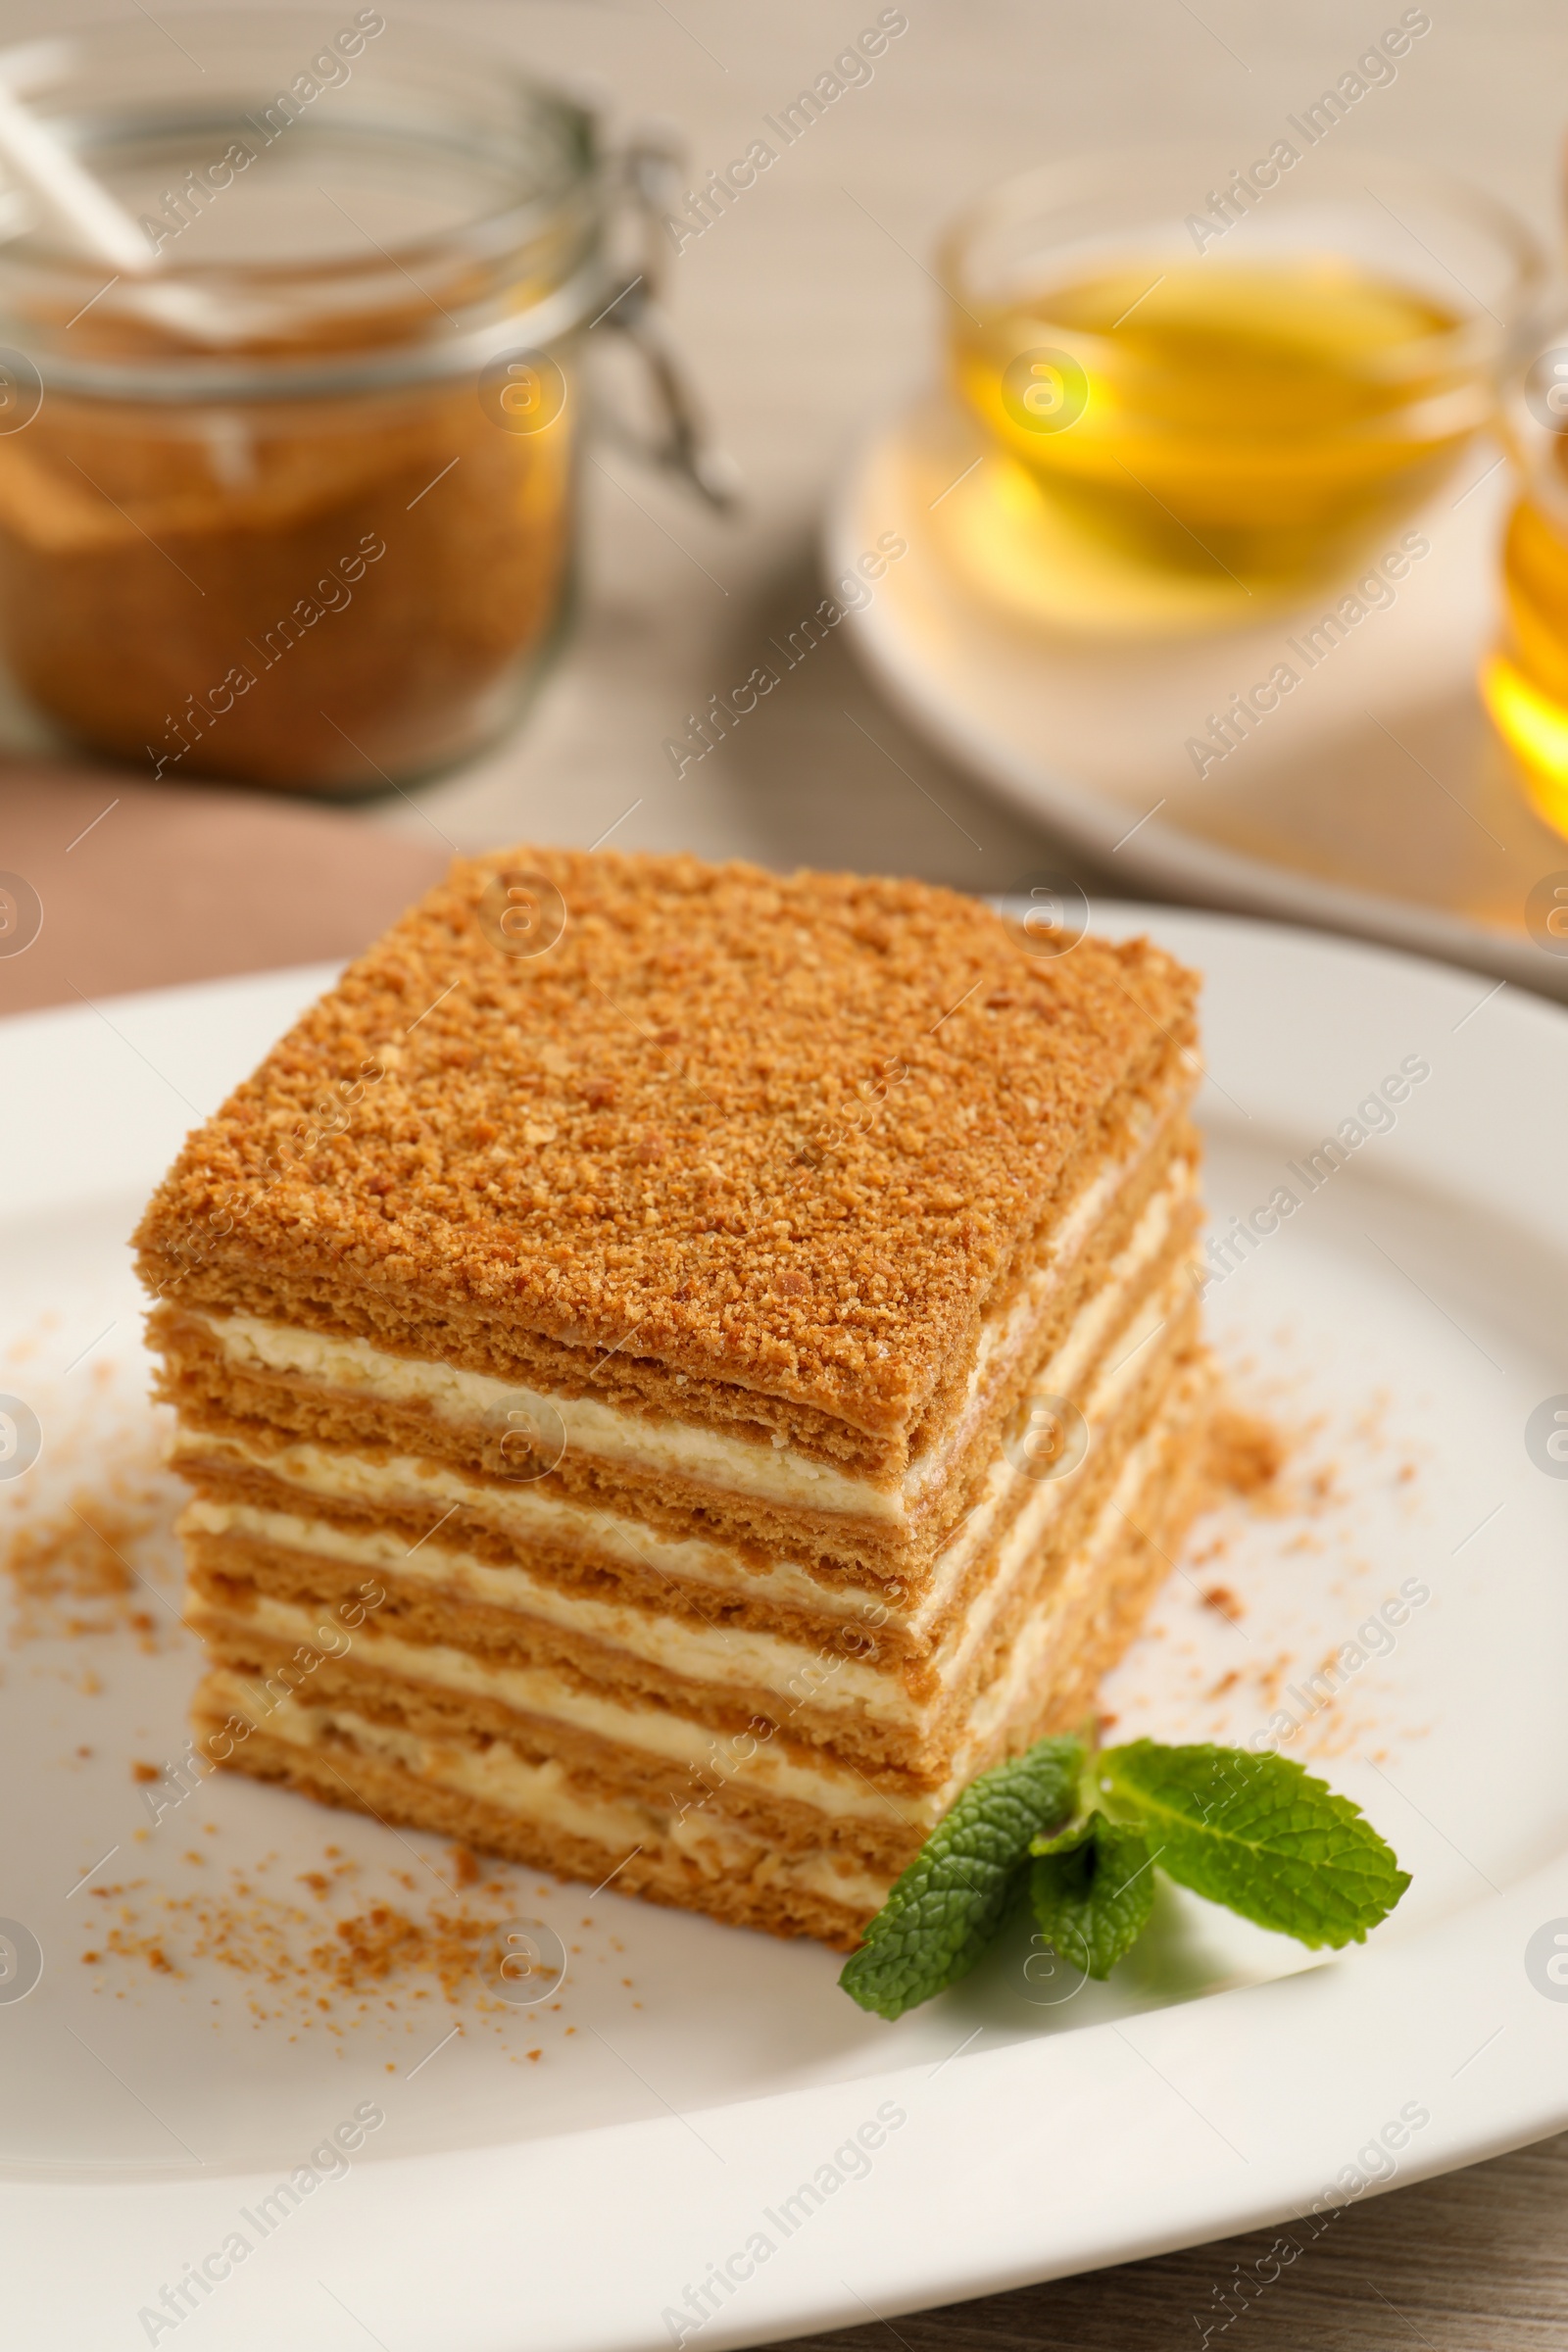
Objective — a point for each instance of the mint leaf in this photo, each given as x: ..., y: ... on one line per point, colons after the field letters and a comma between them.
x: 1259, y: 1834
x: 1092, y: 1890
x: 945, y: 1910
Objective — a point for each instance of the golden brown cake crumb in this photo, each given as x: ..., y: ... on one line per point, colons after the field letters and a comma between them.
x: 75, y: 1571
x: 1245, y: 1454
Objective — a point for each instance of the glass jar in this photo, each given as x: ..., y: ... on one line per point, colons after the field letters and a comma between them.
x: 296, y: 505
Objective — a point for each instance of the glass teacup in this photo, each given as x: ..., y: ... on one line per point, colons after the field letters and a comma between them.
x: 1524, y: 678
x: 1201, y: 400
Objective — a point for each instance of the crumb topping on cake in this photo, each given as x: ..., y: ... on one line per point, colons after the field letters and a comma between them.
x: 782, y: 1131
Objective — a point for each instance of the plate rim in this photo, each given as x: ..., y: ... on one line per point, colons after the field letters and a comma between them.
x: 1162, y: 856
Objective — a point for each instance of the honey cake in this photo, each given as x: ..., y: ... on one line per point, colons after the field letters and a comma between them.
x: 680, y: 1368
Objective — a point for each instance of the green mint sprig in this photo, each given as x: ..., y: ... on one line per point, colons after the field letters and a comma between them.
x: 1079, y: 1835
x: 1092, y: 1890
x: 1259, y: 1834
x: 947, y: 1909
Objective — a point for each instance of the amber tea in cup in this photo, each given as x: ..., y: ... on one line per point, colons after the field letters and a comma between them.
x: 1209, y: 408
x: 1524, y: 677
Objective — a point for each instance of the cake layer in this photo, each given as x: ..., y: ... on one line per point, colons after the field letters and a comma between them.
x: 606, y: 1336
x: 709, y: 1434
x: 882, y: 1699
x: 689, y: 1454
x: 795, y: 1136
x: 724, y: 1843
x: 538, y: 1818
x: 763, y: 1759
x: 460, y: 1461
x: 459, y: 1539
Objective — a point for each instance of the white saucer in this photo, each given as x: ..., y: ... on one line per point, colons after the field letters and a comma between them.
x: 695, y: 2076
x: 1373, y: 799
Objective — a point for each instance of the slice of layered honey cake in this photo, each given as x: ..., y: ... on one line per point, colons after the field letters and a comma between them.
x: 681, y: 1369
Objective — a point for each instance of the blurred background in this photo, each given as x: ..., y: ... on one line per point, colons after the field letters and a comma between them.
x: 807, y: 319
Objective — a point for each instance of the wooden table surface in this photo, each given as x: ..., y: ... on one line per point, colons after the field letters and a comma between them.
x: 1474, y: 2263
x: 806, y: 312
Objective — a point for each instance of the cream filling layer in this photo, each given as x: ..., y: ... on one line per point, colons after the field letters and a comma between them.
x: 1062, y: 1375
x: 523, y: 1514
x: 776, y: 1472
x: 696, y: 1747
x: 718, y: 1654
x: 636, y: 1441
x: 1030, y: 1527
x: 691, y: 1747
x: 829, y: 1682
x: 542, y: 1792
x: 1028, y: 1664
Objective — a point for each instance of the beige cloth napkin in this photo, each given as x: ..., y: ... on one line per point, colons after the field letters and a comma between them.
x: 143, y: 886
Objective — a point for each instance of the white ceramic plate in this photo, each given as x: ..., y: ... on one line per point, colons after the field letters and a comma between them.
x: 1373, y: 798
x: 1405, y: 1323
